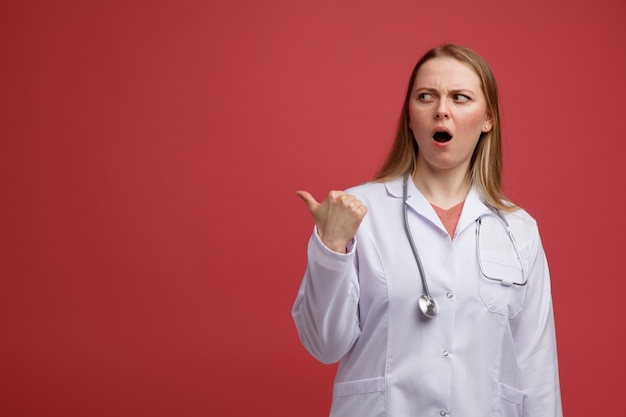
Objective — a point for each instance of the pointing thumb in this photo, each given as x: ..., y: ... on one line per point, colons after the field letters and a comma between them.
x: 308, y: 199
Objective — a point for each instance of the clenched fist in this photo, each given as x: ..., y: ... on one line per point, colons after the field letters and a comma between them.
x: 337, y: 218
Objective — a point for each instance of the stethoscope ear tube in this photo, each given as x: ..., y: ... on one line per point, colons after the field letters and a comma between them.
x: 427, y: 304
x: 505, y: 224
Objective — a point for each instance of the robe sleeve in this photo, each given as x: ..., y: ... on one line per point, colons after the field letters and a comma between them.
x: 325, y: 311
x: 535, y: 340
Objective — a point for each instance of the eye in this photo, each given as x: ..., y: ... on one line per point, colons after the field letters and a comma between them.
x: 461, y: 98
x: 426, y: 97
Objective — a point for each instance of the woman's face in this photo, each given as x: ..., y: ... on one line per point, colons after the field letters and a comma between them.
x: 447, y: 113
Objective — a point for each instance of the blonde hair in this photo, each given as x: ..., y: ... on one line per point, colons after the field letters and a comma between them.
x: 486, y: 164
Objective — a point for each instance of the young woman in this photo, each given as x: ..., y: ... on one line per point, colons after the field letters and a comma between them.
x: 428, y: 285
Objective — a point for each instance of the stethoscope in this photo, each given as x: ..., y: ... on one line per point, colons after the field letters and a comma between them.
x: 427, y: 303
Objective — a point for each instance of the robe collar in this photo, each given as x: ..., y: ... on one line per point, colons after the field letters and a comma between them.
x: 473, y: 208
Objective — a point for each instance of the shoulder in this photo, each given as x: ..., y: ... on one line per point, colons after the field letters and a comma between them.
x: 525, y: 229
x: 366, y: 189
x: 520, y: 215
x: 376, y: 190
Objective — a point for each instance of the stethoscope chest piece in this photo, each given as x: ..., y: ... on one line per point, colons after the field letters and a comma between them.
x: 428, y: 306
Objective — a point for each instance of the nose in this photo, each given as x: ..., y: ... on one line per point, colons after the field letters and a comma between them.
x: 441, y: 111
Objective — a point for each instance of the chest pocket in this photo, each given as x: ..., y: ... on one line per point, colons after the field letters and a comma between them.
x: 498, y: 292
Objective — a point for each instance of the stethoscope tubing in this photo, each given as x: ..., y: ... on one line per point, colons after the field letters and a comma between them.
x: 428, y: 305
x: 409, y: 236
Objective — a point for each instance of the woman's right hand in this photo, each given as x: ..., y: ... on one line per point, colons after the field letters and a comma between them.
x: 337, y: 217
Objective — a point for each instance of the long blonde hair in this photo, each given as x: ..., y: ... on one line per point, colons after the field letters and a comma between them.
x: 486, y: 164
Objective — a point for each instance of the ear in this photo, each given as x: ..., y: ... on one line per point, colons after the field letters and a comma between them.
x: 487, y: 125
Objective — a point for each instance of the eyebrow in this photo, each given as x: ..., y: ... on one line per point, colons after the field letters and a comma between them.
x: 453, y: 91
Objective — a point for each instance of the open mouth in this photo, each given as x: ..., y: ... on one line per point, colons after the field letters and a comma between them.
x: 442, y: 136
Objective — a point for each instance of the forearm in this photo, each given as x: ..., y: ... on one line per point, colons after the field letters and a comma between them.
x: 536, y: 344
x: 326, y: 308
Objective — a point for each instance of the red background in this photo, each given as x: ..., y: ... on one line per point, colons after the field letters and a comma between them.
x: 151, y: 244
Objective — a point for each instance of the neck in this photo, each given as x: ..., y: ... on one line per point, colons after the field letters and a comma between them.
x: 444, y: 189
